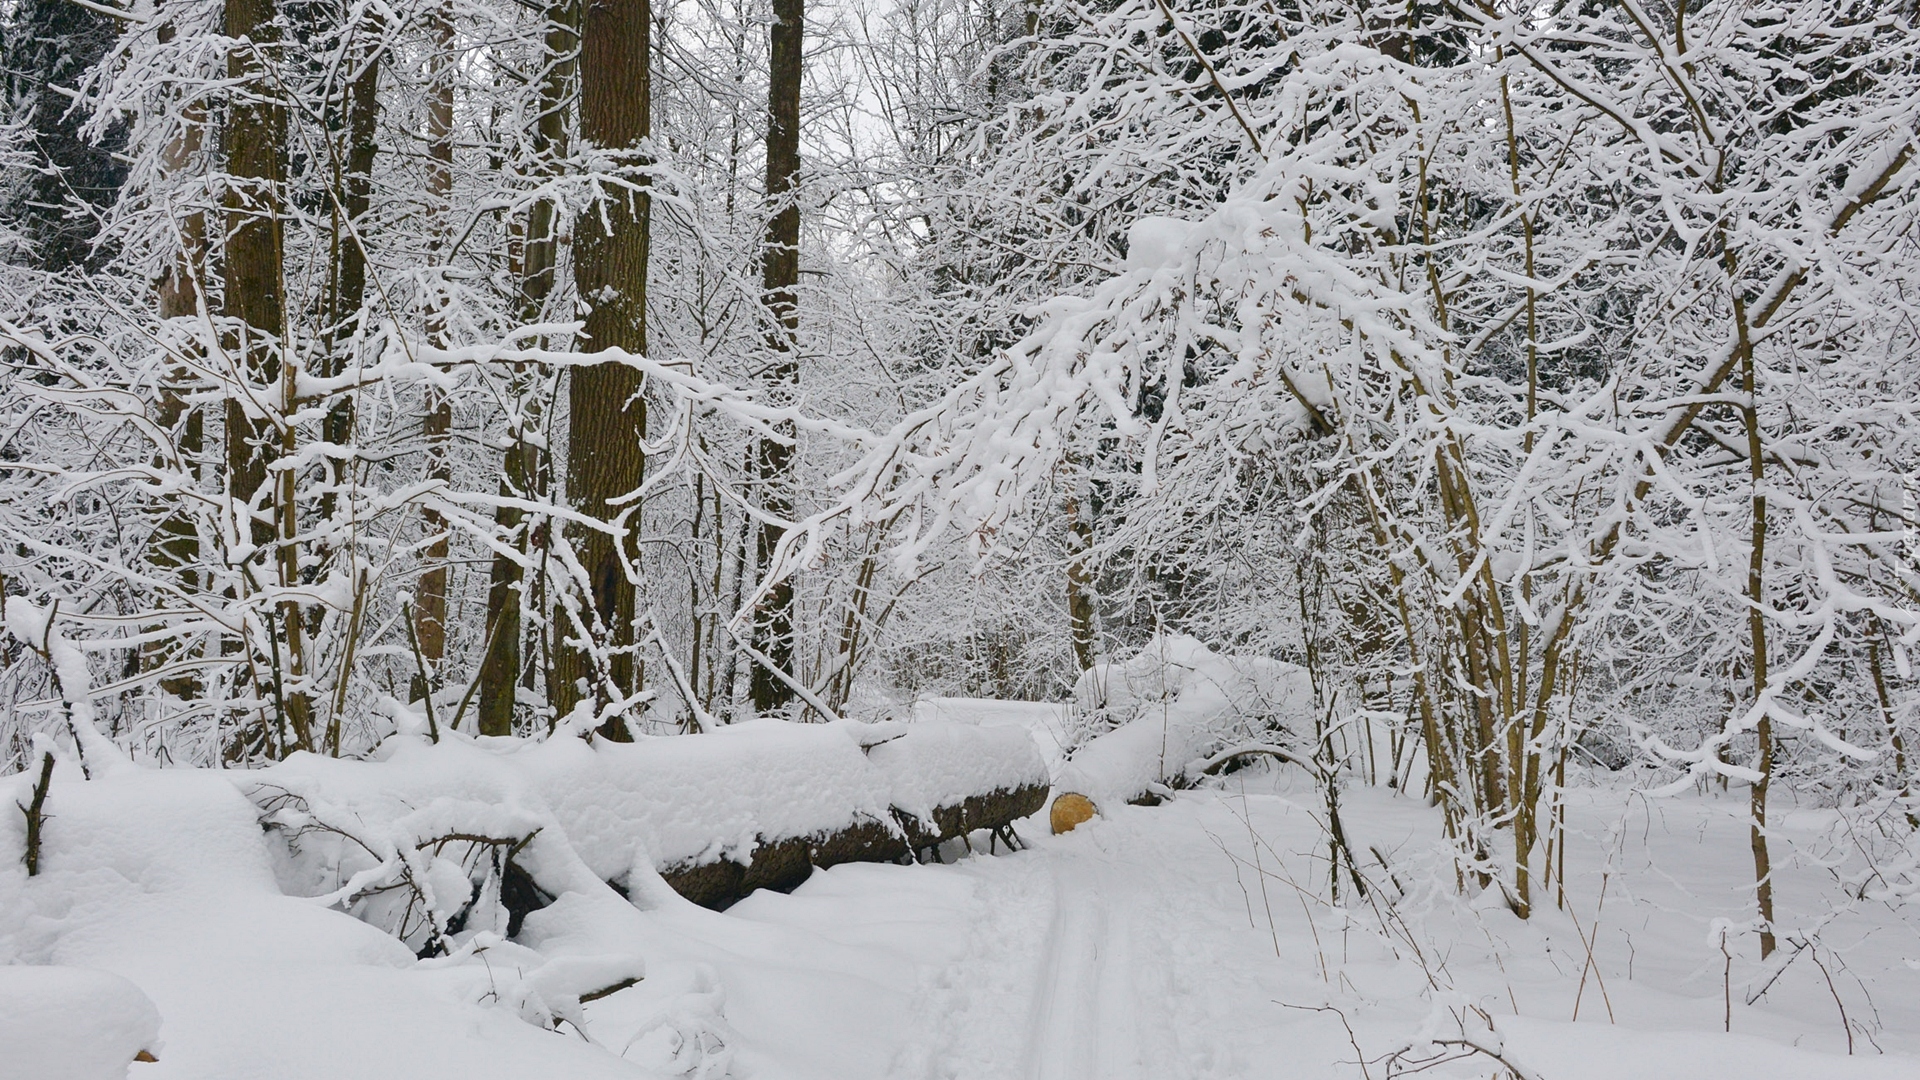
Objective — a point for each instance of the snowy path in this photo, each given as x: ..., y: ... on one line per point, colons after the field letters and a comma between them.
x: 1143, y: 946
x: 1087, y: 1017
x: 1083, y: 990
x: 1087, y: 960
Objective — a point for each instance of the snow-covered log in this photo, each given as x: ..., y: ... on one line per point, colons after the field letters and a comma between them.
x: 465, y: 833
x: 945, y: 780
x: 1178, y: 704
x: 938, y: 781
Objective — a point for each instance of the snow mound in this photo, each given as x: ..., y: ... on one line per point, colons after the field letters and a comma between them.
x: 72, y: 1023
x: 1048, y: 722
x: 1179, y: 671
x: 166, y: 879
x: 146, y: 856
x: 1177, y: 703
x: 422, y: 841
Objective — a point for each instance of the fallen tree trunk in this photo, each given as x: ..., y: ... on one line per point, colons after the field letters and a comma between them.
x: 942, y: 782
x: 782, y: 865
x: 433, y: 841
x: 990, y: 812
x: 1183, y: 710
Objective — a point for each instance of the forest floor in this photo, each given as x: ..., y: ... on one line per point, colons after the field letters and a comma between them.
x: 1195, y: 939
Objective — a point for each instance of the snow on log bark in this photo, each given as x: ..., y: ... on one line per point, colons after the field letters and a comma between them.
x: 718, y: 815
x: 941, y: 781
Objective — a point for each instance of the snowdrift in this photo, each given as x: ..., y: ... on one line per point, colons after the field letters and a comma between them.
x: 1177, y: 704
x: 462, y: 901
x: 73, y: 1023
x: 157, y: 924
x: 1050, y: 723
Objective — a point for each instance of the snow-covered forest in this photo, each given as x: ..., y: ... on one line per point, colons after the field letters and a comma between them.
x: 886, y: 538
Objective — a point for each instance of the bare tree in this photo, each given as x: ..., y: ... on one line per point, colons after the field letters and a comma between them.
x: 780, y: 277
x: 607, y: 419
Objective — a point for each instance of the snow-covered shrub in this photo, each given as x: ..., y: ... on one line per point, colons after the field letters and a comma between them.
x: 1174, y: 705
x: 1233, y: 696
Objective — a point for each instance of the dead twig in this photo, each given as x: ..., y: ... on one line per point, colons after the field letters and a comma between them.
x: 36, y: 815
x: 1845, y: 1025
x: 420, y: 663
x: 1352, y: 1040
x: 1470, y: 1043
x: 606, y: 991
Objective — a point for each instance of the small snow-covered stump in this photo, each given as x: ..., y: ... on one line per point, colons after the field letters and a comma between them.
x: 73, y: 1023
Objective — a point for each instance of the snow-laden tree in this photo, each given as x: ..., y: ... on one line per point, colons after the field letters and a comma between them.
x: 1539, y: 378
x: 299, y: 457
x: 1563, y: 348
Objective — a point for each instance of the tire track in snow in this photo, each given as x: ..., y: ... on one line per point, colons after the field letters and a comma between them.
x: 1072, y: 971
x: 1091, y: 1019
x: 1063, y: 1040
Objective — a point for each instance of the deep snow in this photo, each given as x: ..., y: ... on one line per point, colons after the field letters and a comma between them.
x: 1194, y: 939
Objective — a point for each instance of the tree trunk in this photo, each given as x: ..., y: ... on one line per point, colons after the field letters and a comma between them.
x: 780, y: 275
x: 176, y: 545
x: 500, y: 671
x: 256, y: 128
x: 607, y: 419
x: 1757, y: 630
x: 430, y: 600
x: 255, y: 242
x: 354, y: 198
x: 1080, y: 603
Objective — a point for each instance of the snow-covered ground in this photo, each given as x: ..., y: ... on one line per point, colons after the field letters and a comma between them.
x: 1193, y: 939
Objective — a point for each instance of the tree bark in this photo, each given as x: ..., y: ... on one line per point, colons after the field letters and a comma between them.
x: 346, y: 303
x: 1757, y: 630
x: 354, y: 198
x: 175, y: 548
x: 780, y: 276
x: 1080, y: 602
x: 255, y: 242
x: 783, y: 863
x: 430, y: 600
x: 501, y: 669
x: 607, y: 419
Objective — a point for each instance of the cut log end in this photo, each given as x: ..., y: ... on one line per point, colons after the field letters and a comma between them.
x: 1069, y: 811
